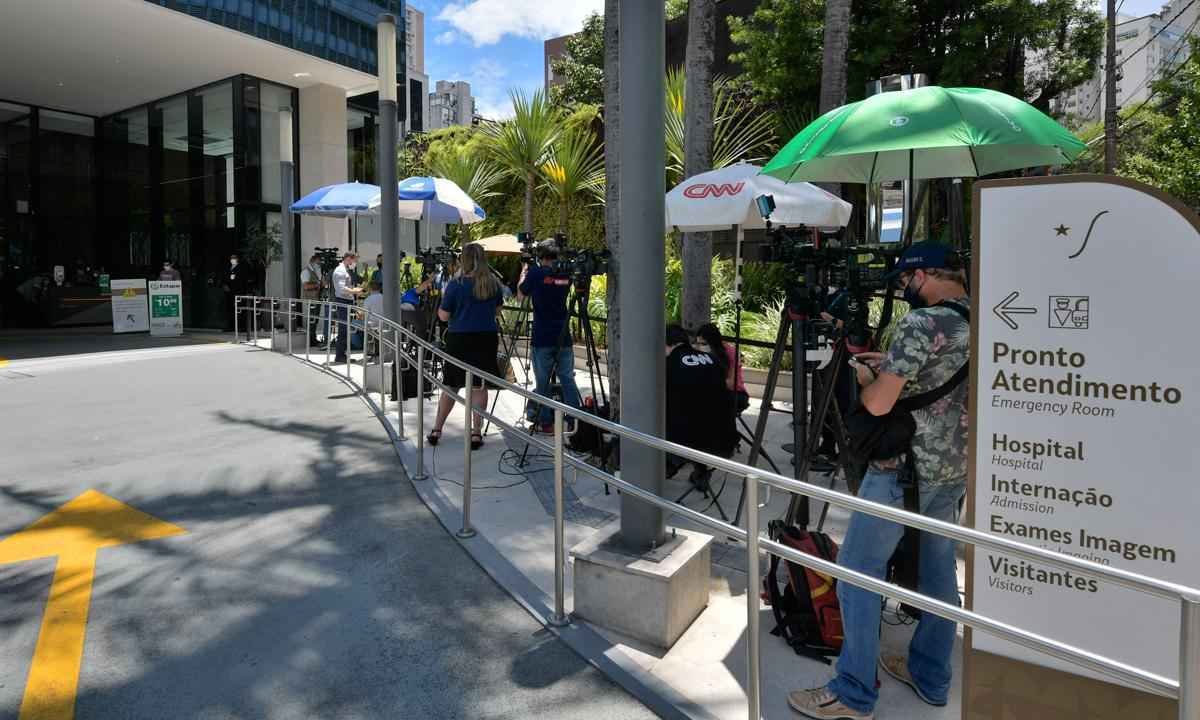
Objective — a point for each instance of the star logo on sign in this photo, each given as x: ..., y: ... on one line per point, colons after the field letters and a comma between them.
x: 1061, y: 230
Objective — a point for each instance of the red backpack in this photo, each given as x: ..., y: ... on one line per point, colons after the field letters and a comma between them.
x: 807, y: 614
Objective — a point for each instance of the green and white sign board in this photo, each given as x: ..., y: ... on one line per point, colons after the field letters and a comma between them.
x: 166, y: 307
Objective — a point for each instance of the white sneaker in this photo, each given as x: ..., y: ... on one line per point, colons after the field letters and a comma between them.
x: 821, y: 704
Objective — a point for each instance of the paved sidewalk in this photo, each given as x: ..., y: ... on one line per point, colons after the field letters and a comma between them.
x: 311, y: 581
x: 513, y: 512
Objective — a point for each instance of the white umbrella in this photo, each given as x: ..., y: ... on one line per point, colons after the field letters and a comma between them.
x: 721, y: 199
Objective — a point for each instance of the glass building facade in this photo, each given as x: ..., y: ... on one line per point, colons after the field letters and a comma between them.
x: 342, y: 31
x: 187, y: 177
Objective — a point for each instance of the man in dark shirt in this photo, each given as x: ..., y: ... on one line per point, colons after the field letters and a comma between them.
x: 699, y: 407
x: 550, y: 347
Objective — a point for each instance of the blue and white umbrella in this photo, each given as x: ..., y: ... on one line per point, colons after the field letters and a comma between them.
x: 437, y: 200
x: 341, y: 200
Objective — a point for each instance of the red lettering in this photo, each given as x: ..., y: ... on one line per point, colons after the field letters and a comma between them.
x: 701, y: 191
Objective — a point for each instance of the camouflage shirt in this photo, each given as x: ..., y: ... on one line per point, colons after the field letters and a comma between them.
x: 928, y: 348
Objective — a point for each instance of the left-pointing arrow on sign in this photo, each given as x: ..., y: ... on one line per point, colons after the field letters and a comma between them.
x: 73, y: 533
x: 1004, y: 309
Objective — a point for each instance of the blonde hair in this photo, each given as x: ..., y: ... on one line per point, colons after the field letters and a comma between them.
x: 473, y: 264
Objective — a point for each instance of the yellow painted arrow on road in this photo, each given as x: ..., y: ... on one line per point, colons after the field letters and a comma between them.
x: 73, y: 533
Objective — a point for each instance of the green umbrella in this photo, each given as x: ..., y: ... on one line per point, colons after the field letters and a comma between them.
x: 929, y: 132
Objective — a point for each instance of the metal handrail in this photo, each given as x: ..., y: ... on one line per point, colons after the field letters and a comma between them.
x: 1187, y: 689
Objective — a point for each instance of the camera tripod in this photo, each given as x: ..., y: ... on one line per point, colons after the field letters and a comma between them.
x: 808, y: 421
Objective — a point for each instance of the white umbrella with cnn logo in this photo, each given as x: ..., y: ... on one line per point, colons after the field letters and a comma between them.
x: 725, y: 198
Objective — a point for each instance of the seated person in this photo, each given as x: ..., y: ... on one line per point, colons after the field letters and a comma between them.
x: 411, y: 299
x: 699, y: 408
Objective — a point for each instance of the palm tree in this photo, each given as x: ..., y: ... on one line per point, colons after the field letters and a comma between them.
x: 575, y: 165
x: 833, y: 62
x: 740, y: 133
x: 697, y: 146
x: 522, y: 144
x: 477, y: 175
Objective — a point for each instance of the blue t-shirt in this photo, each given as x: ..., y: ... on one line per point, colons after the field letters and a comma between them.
x: 467, y: 313
x: 549, y: 295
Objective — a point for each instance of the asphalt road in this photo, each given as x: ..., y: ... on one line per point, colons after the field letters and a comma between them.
x: 311, y: 581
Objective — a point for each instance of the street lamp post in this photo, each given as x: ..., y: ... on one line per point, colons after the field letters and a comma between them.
x: 643, y: 187
x: 287, y: 194
x: 389, y: 209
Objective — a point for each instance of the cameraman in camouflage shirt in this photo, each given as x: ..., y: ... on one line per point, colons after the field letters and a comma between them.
x: 929, y: 346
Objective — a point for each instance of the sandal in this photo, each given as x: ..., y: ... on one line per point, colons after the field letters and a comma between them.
x: 434, y: 437
x: 476, y: 441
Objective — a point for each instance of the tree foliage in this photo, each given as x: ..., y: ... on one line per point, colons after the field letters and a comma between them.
x: 582, y: 68
x: 979, y: 43
x: 741, y: 133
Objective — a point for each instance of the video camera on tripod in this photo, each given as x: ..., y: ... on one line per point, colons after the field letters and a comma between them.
x: 577, y: 264
x: 329, y: 258
x: 436, y: 259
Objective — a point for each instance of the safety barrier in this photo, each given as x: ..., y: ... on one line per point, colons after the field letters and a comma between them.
x: 1186, y: 690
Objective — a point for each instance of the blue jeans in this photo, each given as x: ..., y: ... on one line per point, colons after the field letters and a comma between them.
x: 869, y: 544
x: 543, y: 360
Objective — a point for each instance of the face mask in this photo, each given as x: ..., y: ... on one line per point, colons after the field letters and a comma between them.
x: 912, y: 295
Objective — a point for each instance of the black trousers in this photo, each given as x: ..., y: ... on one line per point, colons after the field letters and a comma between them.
x: 342, y: 316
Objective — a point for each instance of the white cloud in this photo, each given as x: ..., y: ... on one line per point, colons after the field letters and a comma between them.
x: 487, y: 21
x: 488, y: 79
x: 445, y: 38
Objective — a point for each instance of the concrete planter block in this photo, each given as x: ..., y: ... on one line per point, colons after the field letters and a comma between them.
x: 372, y: 378
x: 279, y: 340
x: 652, y: 597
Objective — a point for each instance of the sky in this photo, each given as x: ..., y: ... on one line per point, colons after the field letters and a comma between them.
x: 496, y: 45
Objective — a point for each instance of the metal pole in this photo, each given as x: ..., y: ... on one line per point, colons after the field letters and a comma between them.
x: 307, y: 334
x: 389, y: 205
x: 237, y: 306
x: 289, y: 324
x: 350, y: 342
x: 420, y: 475
x: 287, y: 175
x: 1189, y: 658
x: 560, y: 550
x: 329, y: 328
x: 467, y: 531
x: 254, y: 320
x: 643, y: 188
x: 271, y: 323
x: 379, y: 357
x: 398, y: 373
x: 753, y: 685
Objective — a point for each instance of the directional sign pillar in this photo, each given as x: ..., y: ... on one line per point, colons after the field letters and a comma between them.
x: 1085, y: 414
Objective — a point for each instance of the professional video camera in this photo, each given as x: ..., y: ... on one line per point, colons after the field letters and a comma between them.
x: 528, y: 247
x: 579, y: 264
x: 436, y: 257
x: 329, y: 258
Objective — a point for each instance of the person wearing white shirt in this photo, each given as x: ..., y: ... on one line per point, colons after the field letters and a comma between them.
x: 344, y: 293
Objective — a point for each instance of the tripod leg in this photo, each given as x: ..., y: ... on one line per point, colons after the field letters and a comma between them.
x: 760, y: 427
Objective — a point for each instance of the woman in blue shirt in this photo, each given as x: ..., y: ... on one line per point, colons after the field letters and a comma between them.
x: 470, y: 304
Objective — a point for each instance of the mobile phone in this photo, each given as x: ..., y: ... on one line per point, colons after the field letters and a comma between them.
x: 854, y: 361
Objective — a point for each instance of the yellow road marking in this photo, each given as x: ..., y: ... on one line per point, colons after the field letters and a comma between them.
x: 73, y: 533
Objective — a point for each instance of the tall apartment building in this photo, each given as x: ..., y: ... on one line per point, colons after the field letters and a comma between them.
x: 1147, y: 48
x: 418, y: 82
x: 451, y: 104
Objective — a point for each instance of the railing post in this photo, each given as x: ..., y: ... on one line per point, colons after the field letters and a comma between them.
x: 330, y: 326
x: 349, y: 327
x: 379, y: 358
x: 1189, y: 658
x: 272, y: 322
x: 290, y: 323
x: 398, y: 379
x: 467, y: 531
x: 559, y: 618
x: 237, y: 310
x: 254, y: 319
x: 307, y: 332
x: 420, y: 413
x: 753, y: 686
